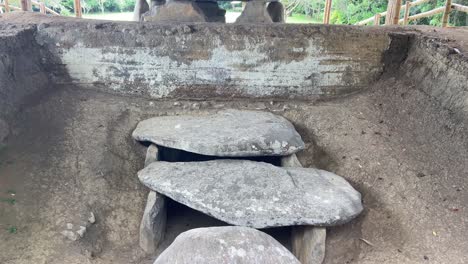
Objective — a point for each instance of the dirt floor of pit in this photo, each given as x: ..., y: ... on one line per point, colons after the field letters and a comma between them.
x: 71, y: 153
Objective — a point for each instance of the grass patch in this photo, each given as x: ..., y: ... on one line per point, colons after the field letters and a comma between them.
x: 301, y: 19
x: 11, y: 201
x: 12, y: 230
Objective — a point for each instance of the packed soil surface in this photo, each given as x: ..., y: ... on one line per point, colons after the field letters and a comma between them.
x: 71, y: 153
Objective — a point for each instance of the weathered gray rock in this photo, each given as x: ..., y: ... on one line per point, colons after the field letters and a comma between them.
x: 153, y: 222
x: 152, y: 154
x: 254, y: 12
x: 212, y: 11
x: 4, y: 130
x: 229, y: 133
x: 141, y: 7
x: 175, y: 11
x: 256, y: 194
x: 276, y: 11
x: 308, y: 242
x: 226, y: 245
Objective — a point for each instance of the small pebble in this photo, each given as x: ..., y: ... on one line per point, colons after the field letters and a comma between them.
x: 92, y: 218
x: 69, y: 226
x: 70, y: 235
x: 82, y: 231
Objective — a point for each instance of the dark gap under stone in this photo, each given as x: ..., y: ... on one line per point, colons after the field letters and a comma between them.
x: 176, y: 155
x: 181, y: 218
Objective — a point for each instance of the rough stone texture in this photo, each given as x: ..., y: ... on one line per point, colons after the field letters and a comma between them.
x: 256, y: 194
x: 254, y: 12
x: 276, y: 11
x: 4, y: 130
x: 175, y: 11
x: 308, y: 242
x: 226, y: 245
x: 153, y: 222
x: 212, y: 60
x: 228, y: 133
x: 152, y: 154
x: 212, y: 11
x: 141, y: 7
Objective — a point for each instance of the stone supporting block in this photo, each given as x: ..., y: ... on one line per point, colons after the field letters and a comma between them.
x: 276, y: 12
x: 152, y: 154
x: 308, y: 242
x: 153, y: 222
x: 254, y: 12
x: 175, y: 11
x: 141, y: 7
x: 212, y: 11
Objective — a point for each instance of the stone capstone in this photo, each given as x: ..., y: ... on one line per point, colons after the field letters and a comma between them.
x: 175, y: 11
x: 141, y: 7
x: 212, y: 11
x: 226, y: 245
x: 229, y: 133
x: 255, y: 12
x: 276, y: 12
x: 256, y: 194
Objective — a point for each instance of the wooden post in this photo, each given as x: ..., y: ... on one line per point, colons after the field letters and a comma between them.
x: 77, y: 6
x: 7, y: 5
x: 393, y: 12
x: 42, y: 7
x: 377, y: 19
x: 448, y: 8
x: 26, y: 5
x: 407, y: 12
x: 327, y: 12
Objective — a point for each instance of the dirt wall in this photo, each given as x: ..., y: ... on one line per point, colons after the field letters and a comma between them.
x: 21, y: 73
x: 440, y: 69
x: 213, y: 60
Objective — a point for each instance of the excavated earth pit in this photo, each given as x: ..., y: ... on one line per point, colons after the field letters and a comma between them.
x: 385, y: 107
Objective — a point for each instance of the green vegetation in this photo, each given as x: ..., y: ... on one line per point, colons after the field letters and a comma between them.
x: 352, y: 11
x: 12, y: 229
x: 301, y: 18
x: 298, y: 11
x: 8, y: 200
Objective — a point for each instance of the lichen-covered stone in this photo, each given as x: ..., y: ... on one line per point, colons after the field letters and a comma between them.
x: 175, y: 11
x: 229, y: 133
x: 255, y: 12
x: 256, y: 194
x: 225, y: 245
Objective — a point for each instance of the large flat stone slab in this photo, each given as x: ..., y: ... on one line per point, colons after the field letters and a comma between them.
x: 226, y: 245
x: 256, y: 194
x: 228, y: 133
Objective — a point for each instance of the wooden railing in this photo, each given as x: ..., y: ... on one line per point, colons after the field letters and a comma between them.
x: 27, y: 6
x: 446, y: 9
